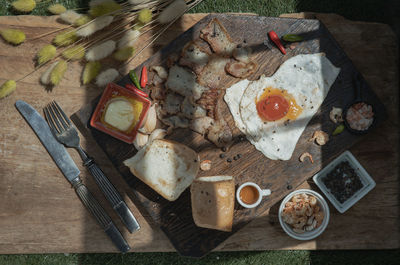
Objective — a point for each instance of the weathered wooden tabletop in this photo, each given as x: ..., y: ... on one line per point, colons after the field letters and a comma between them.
x: 40, y: 212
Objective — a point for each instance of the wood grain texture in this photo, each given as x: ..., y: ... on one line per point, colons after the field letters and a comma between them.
x: 41, y: 214
x: 175, y: 218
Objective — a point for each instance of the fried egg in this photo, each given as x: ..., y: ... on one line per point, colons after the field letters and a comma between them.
x: 274, y: 111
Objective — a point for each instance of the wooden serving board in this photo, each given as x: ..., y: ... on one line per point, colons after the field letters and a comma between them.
x: 175, y: 218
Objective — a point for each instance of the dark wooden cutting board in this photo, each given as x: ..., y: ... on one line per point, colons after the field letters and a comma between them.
x: 175, y: 218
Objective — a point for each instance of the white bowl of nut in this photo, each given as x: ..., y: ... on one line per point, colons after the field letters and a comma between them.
x: 304, y: 214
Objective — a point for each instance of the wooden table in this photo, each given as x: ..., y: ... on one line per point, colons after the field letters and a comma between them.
x: 40, y: 212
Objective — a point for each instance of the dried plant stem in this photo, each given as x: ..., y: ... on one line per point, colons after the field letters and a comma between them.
x: 151, y: 5
x: 127, y: 14
x: 49, y: 33
x: 158, y: 34
x: 108, y: 36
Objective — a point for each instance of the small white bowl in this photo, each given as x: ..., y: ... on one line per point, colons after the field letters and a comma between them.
x: 309, y: 234
x: 366, y: 180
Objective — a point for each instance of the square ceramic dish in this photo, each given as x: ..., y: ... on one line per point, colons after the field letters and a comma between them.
x: 366, y: 180
x: 113, y: 90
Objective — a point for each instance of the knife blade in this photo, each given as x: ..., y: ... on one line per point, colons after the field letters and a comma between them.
x: 71, y: 172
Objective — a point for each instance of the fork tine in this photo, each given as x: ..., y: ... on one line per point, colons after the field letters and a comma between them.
x: 60, y: 118
x: 49, y: 120
x: 54, y: 118
x: 62, y: 113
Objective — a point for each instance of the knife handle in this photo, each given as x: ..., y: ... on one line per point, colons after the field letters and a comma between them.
x: 112, y: 195
x: 101, y: 216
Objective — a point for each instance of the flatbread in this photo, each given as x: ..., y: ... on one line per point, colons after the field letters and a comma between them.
x: 166, y: 166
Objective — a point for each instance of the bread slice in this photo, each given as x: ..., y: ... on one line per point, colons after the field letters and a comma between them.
x: 213, y: 200
x: 166, y: 166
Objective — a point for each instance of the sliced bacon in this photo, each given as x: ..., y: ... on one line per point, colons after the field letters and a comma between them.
x: 240, y: 69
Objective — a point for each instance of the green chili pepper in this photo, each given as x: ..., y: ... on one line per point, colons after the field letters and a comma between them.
x: 134, y: 79
x: 292, y: 37
x: 338, y: 130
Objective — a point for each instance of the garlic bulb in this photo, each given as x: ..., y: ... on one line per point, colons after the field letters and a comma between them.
x: 140, y: 140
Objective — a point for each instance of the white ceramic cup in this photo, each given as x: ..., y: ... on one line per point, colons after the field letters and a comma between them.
x: 261, y: 193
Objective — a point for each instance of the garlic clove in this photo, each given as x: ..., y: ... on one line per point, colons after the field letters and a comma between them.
x: 140, y: 140
x: 161, y: 71
x: 150, y: 121
x: 157, y: 134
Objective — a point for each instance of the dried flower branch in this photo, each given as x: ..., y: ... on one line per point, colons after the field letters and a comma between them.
x: 7, y: 88
x: 100, y: 51
x: 13, y: 36
x: 104, y: 8
x: 56, y: 9
x: 96, y: 35
x: 70, y: 16
x: 106, y: 77
x: 74, y: 53
x: 45, y: 78
x: 144, y: 16
x: 92, y: 69
x: 24, y: 6
x: 65, y: 38
x: 58, y: 72
x: 82, y: 20
x: 94, y: 26
x: 46, y: 54
x: 171, y: 12
x: 124, y: 53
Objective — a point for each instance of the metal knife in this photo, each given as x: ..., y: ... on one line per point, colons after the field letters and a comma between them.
x: 71, y: 172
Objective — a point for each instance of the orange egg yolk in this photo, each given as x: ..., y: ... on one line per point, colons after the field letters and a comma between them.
x: 275, y: 104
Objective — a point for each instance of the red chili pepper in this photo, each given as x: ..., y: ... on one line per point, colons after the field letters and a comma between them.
x: 275, y: 39
x: 136, y: 90
x: 143, y: 77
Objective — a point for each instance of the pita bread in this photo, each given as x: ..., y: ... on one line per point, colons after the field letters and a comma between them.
x: 166, y: 166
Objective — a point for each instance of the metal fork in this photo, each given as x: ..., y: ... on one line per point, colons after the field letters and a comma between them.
x: 66, y: 134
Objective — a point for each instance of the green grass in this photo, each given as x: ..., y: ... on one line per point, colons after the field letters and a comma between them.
x: 288, y: 257
x: 367, y: 10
